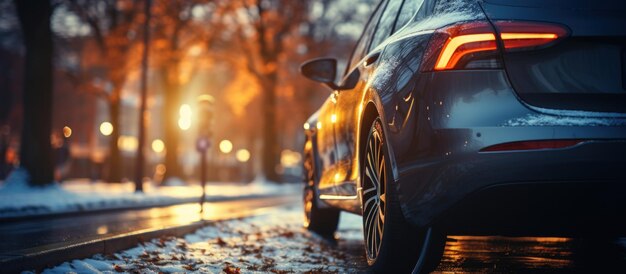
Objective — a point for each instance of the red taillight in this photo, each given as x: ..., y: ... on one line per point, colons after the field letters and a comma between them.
x: 459, y: 46
x: 465, y: 45
x: 532, y: 145
x: 528, y: 35
x: 451, y: 46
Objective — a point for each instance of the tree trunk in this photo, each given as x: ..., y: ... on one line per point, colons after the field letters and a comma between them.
x: 115, y: 157
x: 269, y: 150
x: 35, y: 148
x: 171, y: 102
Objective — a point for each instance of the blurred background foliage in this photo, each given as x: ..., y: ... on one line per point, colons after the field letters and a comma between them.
x: 245, y: 53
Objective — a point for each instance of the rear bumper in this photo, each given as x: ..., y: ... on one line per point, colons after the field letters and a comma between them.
x: 548, y: 191
x: 541, y: 209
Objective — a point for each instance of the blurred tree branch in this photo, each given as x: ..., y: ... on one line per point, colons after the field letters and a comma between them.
x: 114, y: 26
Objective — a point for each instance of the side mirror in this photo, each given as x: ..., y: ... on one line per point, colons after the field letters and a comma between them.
x: 323, y: 70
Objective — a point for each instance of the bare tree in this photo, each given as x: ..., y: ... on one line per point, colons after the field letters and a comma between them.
x: 263, y: 32
x: 175, y: 34
x: 267, y: 40
x: 114, y: 27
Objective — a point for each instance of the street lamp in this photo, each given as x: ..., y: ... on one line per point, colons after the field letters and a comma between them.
x: 205, y: 121
x: 184, y: 122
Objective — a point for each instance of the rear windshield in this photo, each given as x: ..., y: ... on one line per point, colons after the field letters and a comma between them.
x: 570, y: 4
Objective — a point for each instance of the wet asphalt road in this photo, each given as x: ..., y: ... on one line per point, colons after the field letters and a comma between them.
x: 23, y: 237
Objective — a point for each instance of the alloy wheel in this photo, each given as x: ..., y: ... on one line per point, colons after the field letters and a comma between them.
x: 374, y: 181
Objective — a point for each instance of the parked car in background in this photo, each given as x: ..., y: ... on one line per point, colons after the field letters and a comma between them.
x: 472, y: 117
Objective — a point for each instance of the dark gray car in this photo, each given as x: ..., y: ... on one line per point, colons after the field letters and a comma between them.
x: 472, y: 117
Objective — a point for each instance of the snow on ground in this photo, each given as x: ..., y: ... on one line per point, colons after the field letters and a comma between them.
x: 273, y: 242
x: 17, y: 199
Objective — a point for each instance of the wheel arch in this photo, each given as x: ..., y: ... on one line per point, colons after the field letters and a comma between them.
x: 369, y: 113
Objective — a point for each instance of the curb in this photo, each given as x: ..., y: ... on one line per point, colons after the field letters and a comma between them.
x: 38, y: 261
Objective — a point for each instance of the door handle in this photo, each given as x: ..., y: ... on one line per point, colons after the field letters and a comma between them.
x: 370, y: 59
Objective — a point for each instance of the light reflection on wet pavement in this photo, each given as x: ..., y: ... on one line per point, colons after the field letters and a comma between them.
x: 45, y: 233
x: 463, y: 254
x: 496, y: 254
x: 532, y: 255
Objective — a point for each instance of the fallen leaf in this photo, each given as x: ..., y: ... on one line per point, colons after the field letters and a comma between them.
x: 221, y: 242
x: 231, y: 270
x: 287, y: 234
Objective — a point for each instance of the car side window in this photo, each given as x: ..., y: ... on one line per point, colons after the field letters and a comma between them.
x: 407, y: 11
x: 387, y: 21
x: 361, y: 47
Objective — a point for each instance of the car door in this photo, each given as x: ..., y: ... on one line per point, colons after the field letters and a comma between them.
x: 325, y: 143
x: 347, y: 112
x: 327, y: 119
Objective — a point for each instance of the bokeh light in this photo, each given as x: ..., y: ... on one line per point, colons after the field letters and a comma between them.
x: 160, y: 169
x: 127, y: 143
x: 242, y: 155
x: 106, y: 128
x: 226, y: 146
x: 158, y: 145
x: 289, y: 158
x: 67, y: 131
x: 184, y: 121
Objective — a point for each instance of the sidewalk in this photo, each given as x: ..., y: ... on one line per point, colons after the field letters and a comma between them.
x: 269, y: 242
x: 81, y: 195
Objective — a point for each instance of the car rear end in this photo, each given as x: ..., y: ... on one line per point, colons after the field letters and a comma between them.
x: 585, y: 70
x: 523, y: 122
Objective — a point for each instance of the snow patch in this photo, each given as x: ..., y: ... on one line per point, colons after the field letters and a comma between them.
x: 558, y: 117
x: 546, y: 120
x: 274, y: 242
x: 174, y: 181
x: 17, y: 182
x: 445, y: 13
x: 18, y: 199
x: 383, y: 73
x: 578, y: 113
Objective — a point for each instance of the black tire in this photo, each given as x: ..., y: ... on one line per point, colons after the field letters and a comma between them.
x: 391, y: 244
x: 322, y: 221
